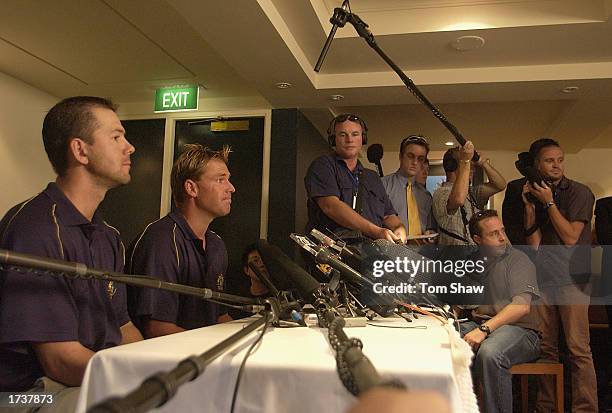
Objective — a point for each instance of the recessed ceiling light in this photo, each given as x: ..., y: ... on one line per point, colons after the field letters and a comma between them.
x: 449, y: 143
x: 336, y: 97
x: 467, y: 43
x: 283, y: 85
x: 570, y: 89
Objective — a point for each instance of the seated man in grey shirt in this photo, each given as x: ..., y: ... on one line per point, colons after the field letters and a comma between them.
x: 404, y: 190
x: 457, y: 200
x: 504, y: 328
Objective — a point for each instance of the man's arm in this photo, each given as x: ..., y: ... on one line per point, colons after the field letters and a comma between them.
x: 64, y: 361
x: 535, y: 238
x: 345, y: 216
x: 568, y: 231
x: 517, y: 309
x: 155, y: 328
x: 496, y: 183
x: 459, y: 192
x: 129, y: 333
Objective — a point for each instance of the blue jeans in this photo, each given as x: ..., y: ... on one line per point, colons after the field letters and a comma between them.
x: 505, y: 347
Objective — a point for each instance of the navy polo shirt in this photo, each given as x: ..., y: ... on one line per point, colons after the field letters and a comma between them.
x: 328, y: 175
x: 169, y: 250
x: 48, y: 308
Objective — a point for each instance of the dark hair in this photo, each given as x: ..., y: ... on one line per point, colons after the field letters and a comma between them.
x: 190, y: 164
x: 414, y: 140
x: 245, y: 255
x: 70, y: 118
x: 540, y: 144
x: 479, y: 216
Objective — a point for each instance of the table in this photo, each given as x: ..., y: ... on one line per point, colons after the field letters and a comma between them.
x: 292, y: 370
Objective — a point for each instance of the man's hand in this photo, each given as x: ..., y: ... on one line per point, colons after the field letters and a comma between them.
x: 481, y: 161
x: 543, y: 192
x: 474, y: 338
x: 385, y: 233
x: 400, y: 232
x: 466, y: 152
x: 429, y: 240
x: 526, y: 190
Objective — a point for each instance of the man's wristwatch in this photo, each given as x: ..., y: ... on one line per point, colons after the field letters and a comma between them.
x: 485, y: 328
x: 549, y: 204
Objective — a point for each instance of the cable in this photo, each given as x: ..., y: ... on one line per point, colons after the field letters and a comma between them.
x: 246, y: 356
x: 403, y: 326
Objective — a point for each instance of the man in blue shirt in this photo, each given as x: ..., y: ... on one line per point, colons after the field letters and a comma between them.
x: 180, y: 248
x: 50, y: 326
x: 343, y: 196
x: 403, y: 188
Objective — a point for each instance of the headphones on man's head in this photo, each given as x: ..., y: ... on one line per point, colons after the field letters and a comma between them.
x: 331, y: 131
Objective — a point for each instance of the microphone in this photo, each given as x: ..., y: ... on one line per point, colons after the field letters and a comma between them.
x: 279, y: 263
x: 375, y: 154
x: 338, y: 19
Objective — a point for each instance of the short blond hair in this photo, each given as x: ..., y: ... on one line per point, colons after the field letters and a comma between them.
x: 190, y: 164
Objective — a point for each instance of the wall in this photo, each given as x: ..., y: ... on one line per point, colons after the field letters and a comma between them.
x: 24, y: 167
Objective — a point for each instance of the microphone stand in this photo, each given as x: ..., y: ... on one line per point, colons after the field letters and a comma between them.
x: 78, y: 270
x: 356, y: 371
x: 341, y: 16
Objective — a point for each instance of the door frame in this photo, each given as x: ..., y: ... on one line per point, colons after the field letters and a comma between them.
x: 169, y: 133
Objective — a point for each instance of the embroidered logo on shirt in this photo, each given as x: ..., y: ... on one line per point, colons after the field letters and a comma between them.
x: 111, y: 290
x: 220, y: 282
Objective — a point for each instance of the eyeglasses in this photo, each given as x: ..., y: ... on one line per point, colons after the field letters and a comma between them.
x: 415, y: 139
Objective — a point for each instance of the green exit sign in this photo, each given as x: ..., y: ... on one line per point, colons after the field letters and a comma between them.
x: 175, y: 99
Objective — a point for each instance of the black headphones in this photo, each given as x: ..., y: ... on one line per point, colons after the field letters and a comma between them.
x: 331, y: 131
x: 449, y: 163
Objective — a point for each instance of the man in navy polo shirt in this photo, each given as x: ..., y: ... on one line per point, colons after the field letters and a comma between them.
x: 50, y: 326
x: 343, y: 196
x: 180, y: 247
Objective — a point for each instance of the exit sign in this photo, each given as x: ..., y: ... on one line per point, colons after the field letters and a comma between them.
x: 175, y: 99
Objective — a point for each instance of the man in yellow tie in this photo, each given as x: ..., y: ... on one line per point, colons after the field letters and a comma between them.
x: 409, y: 198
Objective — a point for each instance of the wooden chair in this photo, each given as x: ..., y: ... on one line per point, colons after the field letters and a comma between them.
x: 527, y: 369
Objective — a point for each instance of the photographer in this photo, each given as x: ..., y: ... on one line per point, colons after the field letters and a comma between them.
x: 563, y: 260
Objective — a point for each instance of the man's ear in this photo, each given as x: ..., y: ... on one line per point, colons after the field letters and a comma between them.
x: 191, y: 188
x: 78, y: 150
x: 477, y: 239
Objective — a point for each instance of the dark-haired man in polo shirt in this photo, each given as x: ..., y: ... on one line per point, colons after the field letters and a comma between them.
x: 343, y: 196
x: 563, y: 261
x: 50, y: 326
x: 180, y: 247
x: 503, y: 331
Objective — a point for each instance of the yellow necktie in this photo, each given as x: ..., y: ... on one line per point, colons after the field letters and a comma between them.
x: 414, y: 222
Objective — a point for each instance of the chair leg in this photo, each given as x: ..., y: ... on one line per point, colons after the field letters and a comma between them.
x: 524, y: 393
x: 559, y: 392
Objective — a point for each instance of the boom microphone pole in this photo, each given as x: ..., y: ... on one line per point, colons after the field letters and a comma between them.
x: 341, y: 16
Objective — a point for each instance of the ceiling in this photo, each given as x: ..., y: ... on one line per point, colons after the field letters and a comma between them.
x: 502, y: 96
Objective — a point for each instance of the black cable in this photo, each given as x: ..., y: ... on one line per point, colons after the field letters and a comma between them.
x: 403, y: 326
x: 246, y: 356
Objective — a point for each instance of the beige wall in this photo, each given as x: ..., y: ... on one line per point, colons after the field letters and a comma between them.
x: 24, y: 167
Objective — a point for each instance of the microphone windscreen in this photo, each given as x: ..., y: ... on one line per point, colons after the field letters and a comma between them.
x: 281, y: 266
x: 375, y: 153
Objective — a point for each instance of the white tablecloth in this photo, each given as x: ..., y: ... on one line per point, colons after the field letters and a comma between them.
x: 292, y: 370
